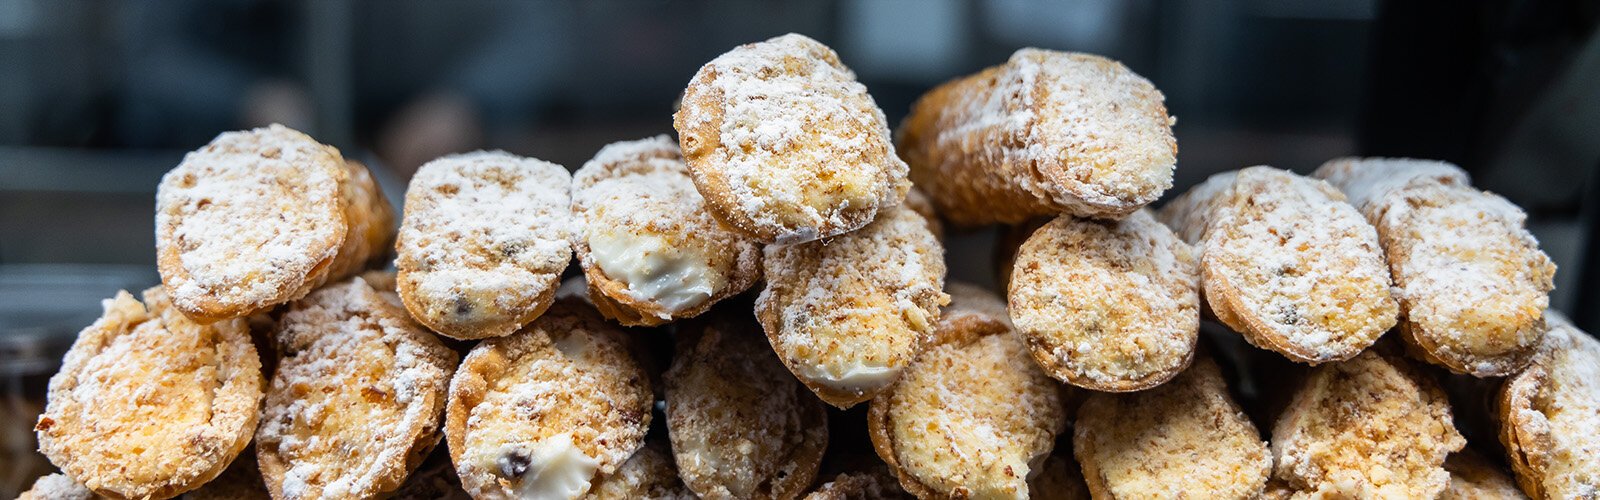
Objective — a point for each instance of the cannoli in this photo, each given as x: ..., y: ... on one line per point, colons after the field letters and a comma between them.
x: 1473, y: 284
x: 1045, y: 133
x: 1369, y: 427
x: 355, y: 404
x: 1287, y: 263
x: 149, y: 403
x: 545, y: 412
x: 741, y: 426
x: 967, y: 419
x: 1107, y: 305
x: 485, y: 238
x: 1184, y: 439
x: 785, y: 145
x: 260, y: 217
x: 1549, y: 415
x: 651, y: 251
x: 846, y: 314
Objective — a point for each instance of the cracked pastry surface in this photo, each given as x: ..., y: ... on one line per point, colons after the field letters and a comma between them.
x: 970, y: 418
x: 848, y: 313
x: 149, y: 403
x: 1184, y: 439
x: 1369, y: 427
x: 1549, y: 414
x: 355, y: 403
x: 785, y: 144
x: 546, y: 411
x: 1107, y: 305
x: 485, y: 238
x: 1287, y: 263
x: 252, y: 220
x: 741, y: 425
x: 1045, y: 133
x: 650, y: 250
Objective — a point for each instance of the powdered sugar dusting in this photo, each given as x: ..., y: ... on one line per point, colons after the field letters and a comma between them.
x: 358, y: 374
x: 641, y: 222
x: 864, y: 299
x: 485, y: 235
x: 1369, y: 181
x: 1108, y: 306
x: 244, y: 221
x: 1566, y: 410
x: 1048, y: 132
x: 1471, y: 276
x: 801, y: 148
x: 1286, y: 255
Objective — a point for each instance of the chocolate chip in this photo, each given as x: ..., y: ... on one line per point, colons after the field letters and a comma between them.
x: 513, y: 465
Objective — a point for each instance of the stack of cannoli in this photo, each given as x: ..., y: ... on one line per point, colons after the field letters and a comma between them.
x: 760, y: 310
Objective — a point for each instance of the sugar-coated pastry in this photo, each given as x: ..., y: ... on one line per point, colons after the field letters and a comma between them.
x: 785, y: 144
x: 1287, y: 263
x: 1045, y: 133
x: 1107, y: 305
x: 1473, y: 477
x: 355, y: 404
x: 741, y: 426
x: 150, y: 403
x: 1550, y: 416
x: 485, y: 238
x: 1473, y: 284
x: 1183, y: 439
x: 254, y: 219
x: 650, y: 250
x: 971, y: 416
x: 848, y: 313
x: 545, y: 412
x: 1370, y: 427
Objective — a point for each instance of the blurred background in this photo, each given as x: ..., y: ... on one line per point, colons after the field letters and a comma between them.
x: 99, y: 98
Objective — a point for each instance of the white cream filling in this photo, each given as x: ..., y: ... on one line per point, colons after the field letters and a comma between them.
x: 852, y: 375
x: 554, y: 468
x: 675, y: 278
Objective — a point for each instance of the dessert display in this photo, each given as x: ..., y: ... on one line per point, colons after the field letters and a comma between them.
x: 740, y: 290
